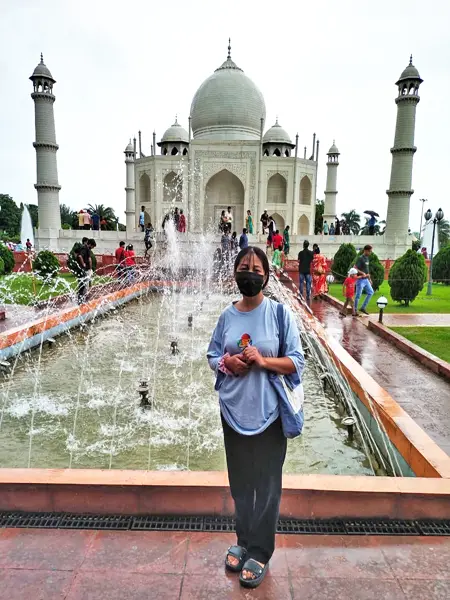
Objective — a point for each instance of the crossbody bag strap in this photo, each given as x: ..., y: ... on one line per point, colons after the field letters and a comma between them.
x: 280, y: 318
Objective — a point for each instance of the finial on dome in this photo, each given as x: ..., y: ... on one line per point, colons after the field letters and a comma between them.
x: 229, y: 48
x: 42, y: 59
x: 410, y: 60
x: 176, y: 120
x: 276, y: 120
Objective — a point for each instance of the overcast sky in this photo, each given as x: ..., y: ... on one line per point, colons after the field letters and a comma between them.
x: 326, y: 66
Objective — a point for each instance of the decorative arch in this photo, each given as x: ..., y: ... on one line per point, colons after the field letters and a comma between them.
x: 279, y: 222
x: 305, y: 190
x: 224, y: 189
x: 144, y: 189
x: 172, y: 188
x: 303, y: 225
x: 174, y: 151
x: 277, y: 152
x: 276, y: 189
x: 185, y: 151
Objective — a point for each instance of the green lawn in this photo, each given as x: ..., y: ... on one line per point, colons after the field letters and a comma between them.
x: 18, y: 288
x: 438, y: 302
x: 433, y: 339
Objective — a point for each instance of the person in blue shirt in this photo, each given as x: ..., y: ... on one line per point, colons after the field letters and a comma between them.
x: 243, y: 240
x: 371, y: 223
x: 243, y: 350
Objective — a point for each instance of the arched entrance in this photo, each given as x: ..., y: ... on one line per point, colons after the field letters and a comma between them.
x: 144, y: 189
x: 276, y: 189
x: 222, y: 190
x: 303, y: 225
x: 279, y: 222
x: 305, y: 190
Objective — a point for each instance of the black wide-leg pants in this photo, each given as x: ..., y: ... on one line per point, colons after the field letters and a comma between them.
x: 255, y: 464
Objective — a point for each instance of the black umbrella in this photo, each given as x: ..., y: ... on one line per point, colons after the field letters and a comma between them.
x: 372, y: 213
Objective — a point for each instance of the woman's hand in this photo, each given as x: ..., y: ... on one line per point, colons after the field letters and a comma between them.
x: 253, y: 357
x: 236, y: 364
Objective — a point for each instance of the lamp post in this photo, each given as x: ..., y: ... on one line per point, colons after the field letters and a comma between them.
x: 423, y: 200
x: 381, y: 303
x: 437, y: 219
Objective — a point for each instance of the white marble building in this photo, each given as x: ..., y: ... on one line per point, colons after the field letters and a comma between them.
x: 223, y: 159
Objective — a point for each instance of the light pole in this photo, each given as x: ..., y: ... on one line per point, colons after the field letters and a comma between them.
x: 423, y: 200
x: 437, y: 219
x: 381, y: 303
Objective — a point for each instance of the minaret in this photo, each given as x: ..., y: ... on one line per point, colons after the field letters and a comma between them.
x: 400, y: 191
x: 130, y: 209
x: 47, y: 185
x: 329, y: 211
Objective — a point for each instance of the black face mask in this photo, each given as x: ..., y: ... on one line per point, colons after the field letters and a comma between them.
x: 249, y: 283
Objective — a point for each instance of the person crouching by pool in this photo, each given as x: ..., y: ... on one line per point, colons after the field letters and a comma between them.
x: 243, y: 350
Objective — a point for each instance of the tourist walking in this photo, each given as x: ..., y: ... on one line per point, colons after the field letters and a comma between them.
x: 84, y: 262
x: 130, y: 262
x: 229, y: 219
x: 305, y: 258
x: 95, y: 218
x: 244, y: 350
x: 348, y: 289
x: 243, y: 240
x: 81, y: 219
x: 222, y: 222
x: 277, y: 240
x: 271, y: 227
x: 182, y: 222
x: 249, y: 222
x: 148, y: 239
x: 325, y: 228
x: 86, y: 220
x: 371, y: 223
x: 28, y: 246
x: 234, y: 243
x: 365, y: 283
x: 264, y: 221
x: 278, y: 258
x: 120, y: 260
x: 142, y: 219
x: 286, y: 241
x: 332, y: 229
x: 318, y: 271
x: 337, y: 227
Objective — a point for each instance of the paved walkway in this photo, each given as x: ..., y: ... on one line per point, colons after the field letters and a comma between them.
x: 131, y: 565
x: 424, y: 395
x: 419, y: 320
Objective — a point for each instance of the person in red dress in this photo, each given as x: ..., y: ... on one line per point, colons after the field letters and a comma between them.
x: 318, y: 272
x: 182, y: 222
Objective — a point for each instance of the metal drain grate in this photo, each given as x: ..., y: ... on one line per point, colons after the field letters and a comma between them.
x: 36, y: 520
x: 371, y: 527
x: 150, y: 523
x: 69, y: 521
x: 434, y: 527
x: 225, y: 524
x: 311, y: 527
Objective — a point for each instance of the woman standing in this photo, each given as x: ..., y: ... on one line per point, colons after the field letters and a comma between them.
x: 286, y: 241
x: 318, y: 272
x: 223, y: 222
x: 243, y: 350
x: 249, y: 222
x: 182, y: 222
x: 130, y: 262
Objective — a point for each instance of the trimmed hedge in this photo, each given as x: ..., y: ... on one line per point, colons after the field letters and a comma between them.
x: 46, y: 264
x: 343, y: 260
x: 407, y: 277
x: 441, y: 266
x: 8, y: 259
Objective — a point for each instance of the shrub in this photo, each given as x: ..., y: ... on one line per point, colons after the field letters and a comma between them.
x: 46, y: 264
x: 407, y: 277
x: 8, y: 259
x: 416, y: 245
x: 343, y: 260
x: 376, y: 270
x: 2, y: 267
x: 65, y: 226
x: 441, y: 266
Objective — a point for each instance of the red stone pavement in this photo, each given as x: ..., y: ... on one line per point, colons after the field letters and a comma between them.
x: 415, y: 320
x: 39, y: 564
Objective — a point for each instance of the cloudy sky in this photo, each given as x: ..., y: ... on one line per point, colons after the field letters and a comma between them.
x: 326, y: 66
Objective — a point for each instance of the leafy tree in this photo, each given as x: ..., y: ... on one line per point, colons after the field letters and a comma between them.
x: 376, y: 270
x: 441, y: 266
x: 318, y: 223
x: 46, y: 264
x: 106, y: 213
x: 10, y: 215
x: 353, y: 221
x: 443, y: 233
x: 8, y: 259
x: 407, y: 277
x: 69, y: 217
x: 343, y: 260
x: 2, y: 267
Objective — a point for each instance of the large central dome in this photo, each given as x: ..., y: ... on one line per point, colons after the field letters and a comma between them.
x: 228, y: 106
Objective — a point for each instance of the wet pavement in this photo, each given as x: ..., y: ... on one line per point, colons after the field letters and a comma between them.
x: 134, y: 565
x: 418, y: 320
x: 424, y: 395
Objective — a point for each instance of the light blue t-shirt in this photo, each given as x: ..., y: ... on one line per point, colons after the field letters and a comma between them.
x: 249, y: 404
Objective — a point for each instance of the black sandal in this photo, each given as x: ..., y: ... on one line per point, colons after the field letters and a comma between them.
x: 236, y: 552
x: 255, y: 569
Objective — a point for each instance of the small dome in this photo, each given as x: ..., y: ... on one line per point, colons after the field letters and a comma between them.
x: 277, y: 135
x: 175, y: 133
x: 410, y: 72
x: 42, y: 71
x: 228, y: 105
x: 333, y: 149
x: 130, y: 147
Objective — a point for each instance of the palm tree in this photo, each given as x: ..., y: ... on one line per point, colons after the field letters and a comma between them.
x: 444, y: 233
x: 352, y: 219
x: 106, y: 213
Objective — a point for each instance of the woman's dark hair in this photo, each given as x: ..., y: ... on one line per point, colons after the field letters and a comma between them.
x: 317, y: 250
x: 130, y: 247
x: 260, y: 254
x: 233, y: 235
